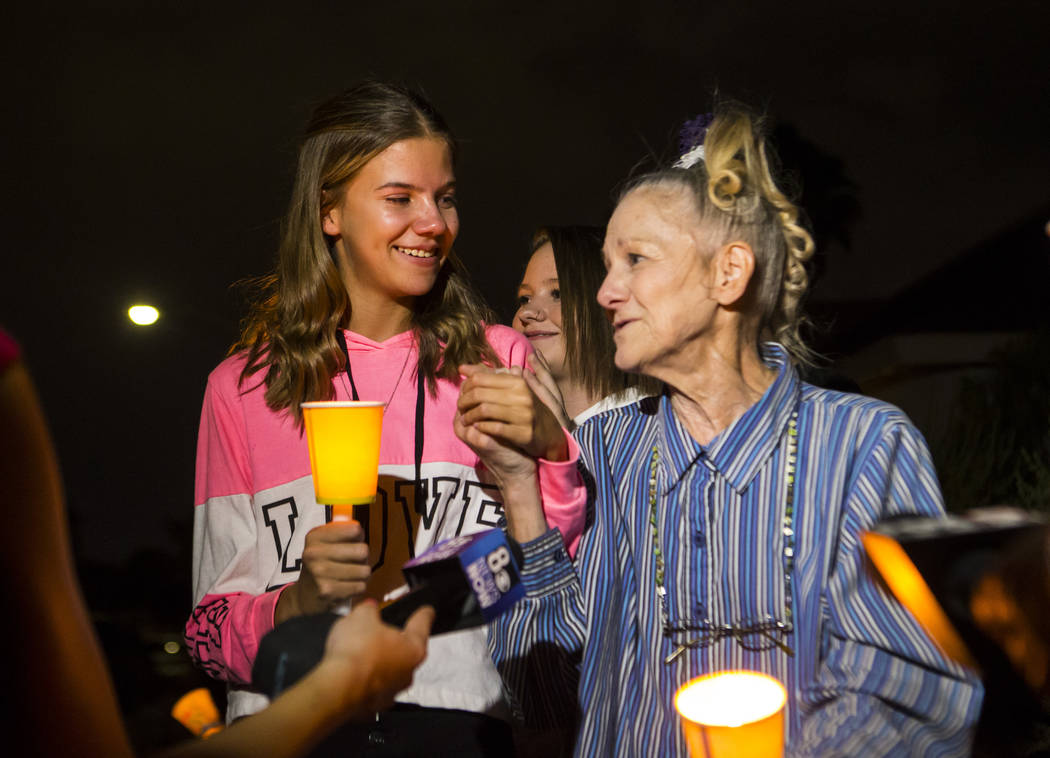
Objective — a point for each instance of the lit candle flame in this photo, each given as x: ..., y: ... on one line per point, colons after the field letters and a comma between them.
x: 733, y: 714
x: 730, y: 698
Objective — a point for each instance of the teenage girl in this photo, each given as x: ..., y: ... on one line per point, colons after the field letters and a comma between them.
x: 368, y: 301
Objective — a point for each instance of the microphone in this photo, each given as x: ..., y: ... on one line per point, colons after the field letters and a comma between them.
x: 469, y: 580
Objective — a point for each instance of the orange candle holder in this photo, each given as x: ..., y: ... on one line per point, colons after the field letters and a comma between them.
x: 733, y: 714
x: 196, y: 710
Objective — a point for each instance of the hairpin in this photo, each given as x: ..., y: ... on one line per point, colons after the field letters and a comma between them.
x: 691, y: 140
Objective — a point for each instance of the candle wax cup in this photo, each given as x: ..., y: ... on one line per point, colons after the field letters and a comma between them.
x: 733, y: 713
x: 344, y: 438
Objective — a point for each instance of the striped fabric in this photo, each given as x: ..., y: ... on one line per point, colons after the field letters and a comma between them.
x: 863, y: 680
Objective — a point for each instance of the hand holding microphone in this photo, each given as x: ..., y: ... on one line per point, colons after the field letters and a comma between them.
x: 467, y: 580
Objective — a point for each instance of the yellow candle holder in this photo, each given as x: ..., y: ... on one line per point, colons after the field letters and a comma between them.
x: 343, y: 437
x: 733, y: 714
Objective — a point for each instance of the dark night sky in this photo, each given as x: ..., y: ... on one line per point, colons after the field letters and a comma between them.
x: 150, y: 154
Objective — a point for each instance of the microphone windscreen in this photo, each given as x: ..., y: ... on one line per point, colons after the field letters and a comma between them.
x: 289, y: 651
x: 469, y: 580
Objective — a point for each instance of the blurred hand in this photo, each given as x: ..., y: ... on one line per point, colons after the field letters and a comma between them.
x: 997, y: 613
x: 541, y: 382
x: 335, y: 568
x: 368, y: 662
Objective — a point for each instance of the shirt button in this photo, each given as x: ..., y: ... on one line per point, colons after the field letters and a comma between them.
x: 698, y: 538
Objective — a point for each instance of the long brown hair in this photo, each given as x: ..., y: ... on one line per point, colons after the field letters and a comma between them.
x: 297, y: 309
x: 589, y: 346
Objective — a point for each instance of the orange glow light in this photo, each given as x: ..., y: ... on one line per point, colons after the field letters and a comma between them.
x: 908, y: 586
x: 197, y: 712
x: 733, y: 713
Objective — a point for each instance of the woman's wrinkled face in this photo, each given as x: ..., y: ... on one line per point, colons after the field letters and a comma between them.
x: 656, y: 286
x: 397, y: 220
x: 539, y: 309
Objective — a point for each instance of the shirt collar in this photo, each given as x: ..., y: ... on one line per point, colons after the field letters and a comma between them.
x: 740, y: 450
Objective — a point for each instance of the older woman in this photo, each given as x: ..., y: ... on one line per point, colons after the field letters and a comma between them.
x: 727, y: 511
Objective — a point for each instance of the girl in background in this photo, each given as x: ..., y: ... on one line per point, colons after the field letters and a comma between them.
x: 559, y: 314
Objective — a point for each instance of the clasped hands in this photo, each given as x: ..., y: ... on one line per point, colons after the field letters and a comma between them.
x: 501, y: 417
x: 504, y: 422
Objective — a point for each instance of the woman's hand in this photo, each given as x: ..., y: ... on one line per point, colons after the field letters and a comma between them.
x: 335, y: 568
x: 506, y: 461
x: 1010, y: 604
x: 541, y: 382
x: 500, y: 404
x: 496, y: 417
x: 366, y: 662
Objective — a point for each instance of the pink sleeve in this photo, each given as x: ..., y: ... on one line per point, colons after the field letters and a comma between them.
x: 561, y: 486
x: 564, y: 496
x: 223, y: 632
x: 223, y: 456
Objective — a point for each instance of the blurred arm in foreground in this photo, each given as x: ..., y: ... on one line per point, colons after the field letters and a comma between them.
x: 64, y: 698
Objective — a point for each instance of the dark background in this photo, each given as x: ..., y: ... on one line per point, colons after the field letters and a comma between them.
x: 150, y: 148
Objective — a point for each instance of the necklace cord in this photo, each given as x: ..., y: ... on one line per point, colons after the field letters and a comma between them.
x: 420, y: 499
x: 767, y: 629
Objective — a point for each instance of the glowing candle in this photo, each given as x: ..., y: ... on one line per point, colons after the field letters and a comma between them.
x: 733, y: 713
x: 343, y: 437
x: 196, y: 710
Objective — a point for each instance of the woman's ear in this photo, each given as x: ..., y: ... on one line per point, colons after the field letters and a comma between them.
x: 330, y: 222
x: 734, y: 265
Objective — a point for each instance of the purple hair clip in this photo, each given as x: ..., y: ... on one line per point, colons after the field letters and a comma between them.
x: 691, y: 140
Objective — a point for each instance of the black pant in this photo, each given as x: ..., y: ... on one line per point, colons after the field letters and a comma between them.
x: 408, y: 731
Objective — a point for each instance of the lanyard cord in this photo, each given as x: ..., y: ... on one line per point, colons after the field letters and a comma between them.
x: 420, y: 407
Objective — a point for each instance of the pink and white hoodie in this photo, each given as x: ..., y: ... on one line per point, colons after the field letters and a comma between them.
x: 255, y: 503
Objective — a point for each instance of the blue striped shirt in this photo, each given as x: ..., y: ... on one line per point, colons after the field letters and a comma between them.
x: 863, y: 680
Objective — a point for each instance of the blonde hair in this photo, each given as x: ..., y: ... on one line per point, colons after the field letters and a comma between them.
x: 737, y: 198
x: 291, y: 329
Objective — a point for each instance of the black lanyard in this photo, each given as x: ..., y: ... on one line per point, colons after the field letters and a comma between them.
x: 420, y: 407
